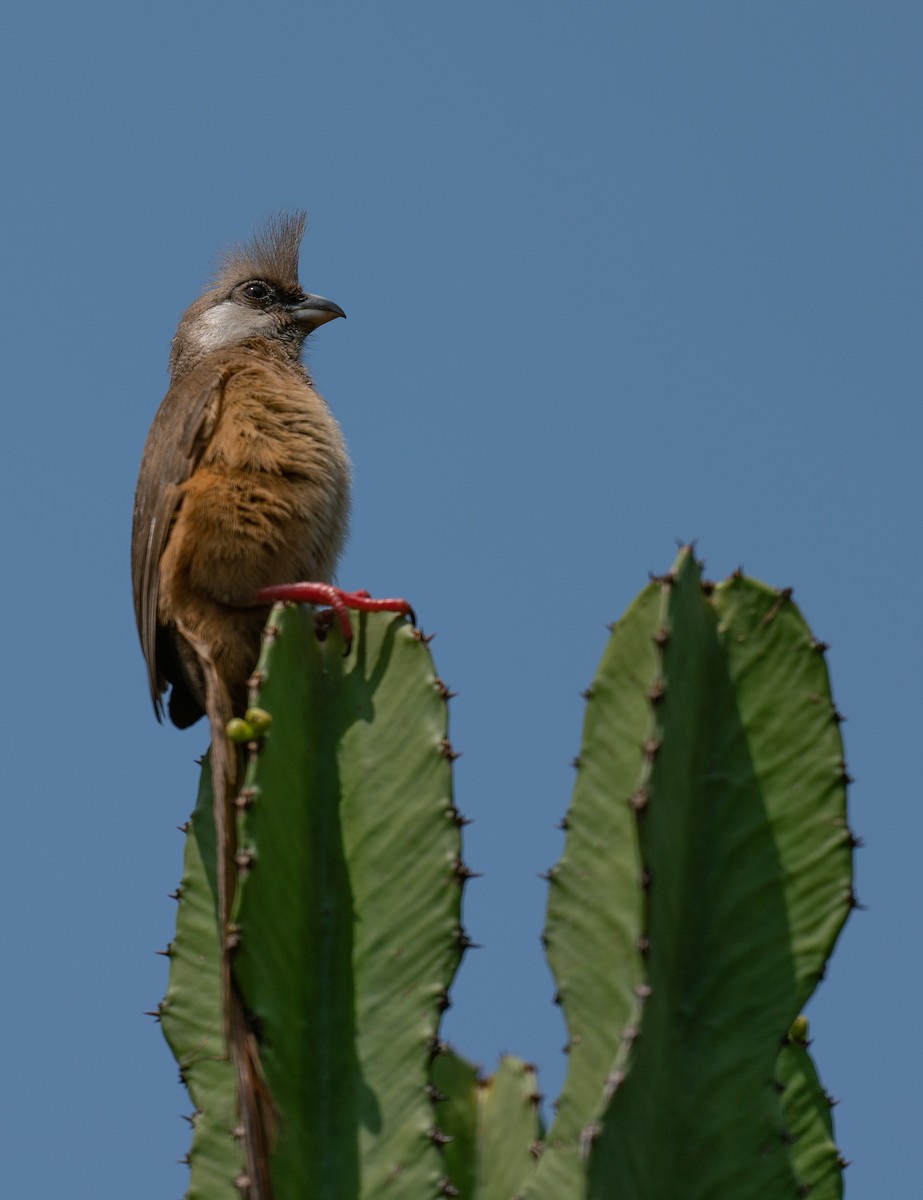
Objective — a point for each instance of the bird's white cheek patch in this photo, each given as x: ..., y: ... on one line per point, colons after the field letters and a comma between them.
x: 228, y: 323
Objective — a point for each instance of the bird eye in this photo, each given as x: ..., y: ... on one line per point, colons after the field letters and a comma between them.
x: 256, y: 291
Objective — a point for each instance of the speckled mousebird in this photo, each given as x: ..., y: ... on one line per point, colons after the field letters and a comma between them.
x: 244, y: 479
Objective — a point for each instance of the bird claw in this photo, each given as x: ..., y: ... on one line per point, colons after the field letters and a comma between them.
x: 336, y: 599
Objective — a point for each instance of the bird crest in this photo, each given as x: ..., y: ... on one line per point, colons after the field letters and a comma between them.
x: 271, y: 254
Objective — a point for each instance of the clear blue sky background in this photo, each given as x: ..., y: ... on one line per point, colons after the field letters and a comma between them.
x: 616, y: 274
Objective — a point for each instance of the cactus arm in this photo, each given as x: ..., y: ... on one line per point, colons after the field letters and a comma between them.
x: 493, y: 1123
x: 348, y: 905
x: 192, y: 1019
x: 808, y: 1120
x: 595, y: 918
x: 747, y: 864
x: 509, y: 1129
x: 455, y: 1084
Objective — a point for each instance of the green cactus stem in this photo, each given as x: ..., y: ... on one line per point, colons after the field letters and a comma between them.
x: 348, y: 905
x: 494, y: 1125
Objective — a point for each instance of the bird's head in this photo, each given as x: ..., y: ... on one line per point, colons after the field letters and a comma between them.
x: 255, y: 294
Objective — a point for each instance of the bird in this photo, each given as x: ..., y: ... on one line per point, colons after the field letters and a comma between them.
x: 244, y: 484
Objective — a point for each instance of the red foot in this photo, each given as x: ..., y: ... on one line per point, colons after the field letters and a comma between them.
x: 336, y: 598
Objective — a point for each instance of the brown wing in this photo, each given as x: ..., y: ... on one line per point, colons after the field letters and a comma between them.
x: 181, y: 429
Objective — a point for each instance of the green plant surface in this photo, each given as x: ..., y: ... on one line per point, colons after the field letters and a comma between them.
x: 747, y: 874
x: 595, y: 916
x: 493, y: 1126
x: 191, y: 1015
x: 809, y: 1123
x: 348, y: 905
x: 455, y: 1082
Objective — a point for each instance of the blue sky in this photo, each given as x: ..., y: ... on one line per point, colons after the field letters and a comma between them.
x: 616, y: 275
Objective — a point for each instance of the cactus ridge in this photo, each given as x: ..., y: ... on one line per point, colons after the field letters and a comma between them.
x: 191, y: 1014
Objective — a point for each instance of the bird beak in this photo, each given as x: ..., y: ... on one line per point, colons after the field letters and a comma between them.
x: 315, y: 310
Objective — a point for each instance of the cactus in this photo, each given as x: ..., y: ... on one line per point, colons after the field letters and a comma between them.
x: 493, y: 1125
x: 191, y: 1014
x: 705, y: 877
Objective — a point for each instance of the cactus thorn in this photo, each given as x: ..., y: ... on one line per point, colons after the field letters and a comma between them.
x: 465, y: 943
x: 650, y: 748
x: 184, y: 828
x: 443, y: 1003
x: 446, y: 1187
x: 587, y: 693
x: 184, y: 1161
x: 643, y: 990
x: 438, y: 1137
x: 564, y: 824
x: 462, y: 872
x: 662, y: 636
x: 165, y: 953
x: 419, y: 636
x: 242, y: 1182
x: 707, y: 586
x: 187, y: 1117
x: 655, y: 692
x: 842, y: 1162
x: 156, y: 1013
x: 614, y: 1081
x: 535, y: 1099
x: 845, y: 777
x: 819, y: 647
x: 804, y: 1189
x: 854, y: 902
x: 644, y: 946
x: 575, y: 762
x: 244, y: 861
x: 175, y: 895
x: 639, y: 799
x: 443, y: 691
x: 256, y: 680
x: 855, y: 841
x: 646, y: 877
x: 446, y: 750
x: 838, y: 716
x: 629, y: 1035
x: 535, y: 1149
x: 434, y: 1093
x: 458, y: 819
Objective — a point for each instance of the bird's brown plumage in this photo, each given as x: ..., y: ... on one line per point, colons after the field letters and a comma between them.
x: 244, y: 478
